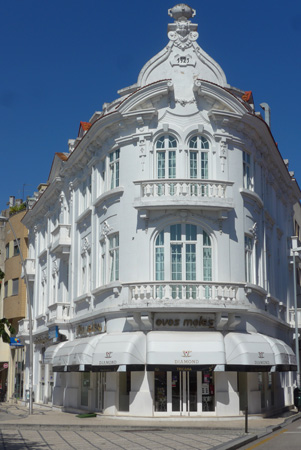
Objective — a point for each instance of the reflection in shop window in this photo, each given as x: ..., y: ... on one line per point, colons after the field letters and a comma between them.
x: 85, y: 386
x: 208, y: 402
x: 160, y: 391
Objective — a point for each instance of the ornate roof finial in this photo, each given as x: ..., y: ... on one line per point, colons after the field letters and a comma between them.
x: 181, y: 12
x: 182, y: 32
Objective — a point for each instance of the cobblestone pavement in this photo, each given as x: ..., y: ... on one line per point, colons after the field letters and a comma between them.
x: 18, y: 439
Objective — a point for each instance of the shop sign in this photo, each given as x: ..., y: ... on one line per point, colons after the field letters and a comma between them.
x: 108, y: 360
x: 185, y: 358
x: 53, y: 333
x: 15, y: 342
x: 90, y: 328
x: 184, y: 321
x: 261, y: 360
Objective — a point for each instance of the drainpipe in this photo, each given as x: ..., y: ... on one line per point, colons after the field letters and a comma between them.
x: 267, y: 113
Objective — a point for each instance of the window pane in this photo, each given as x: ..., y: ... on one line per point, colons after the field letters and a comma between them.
x: 172, y: 143
x: 193, y: 165
x: 175, y: 232
x: 206, y: 239
x: 248, y: 258
x: 160, y: 263
x: 176, y: 262
x: 160, y: 142
x: 160, y: 238
x: 114, y: 168
x: 16, y: 247
x: 207, y: 264
x: 15, y: 286
x: 204, y: 142
x: 190, y: 262
x: 172, y: 165
x: 190, y: 232
x: 204, y: 165
x: 193, y: 142
x: 114, y: 257
x: 161, y: 164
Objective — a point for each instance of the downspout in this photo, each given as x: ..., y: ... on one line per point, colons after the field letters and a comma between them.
x: 267, y: 113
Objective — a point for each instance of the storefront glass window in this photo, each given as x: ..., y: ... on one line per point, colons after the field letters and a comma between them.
x: 84, y: 397
x: 124, y: 391
x: 160, y: 391
x: 208, y: 402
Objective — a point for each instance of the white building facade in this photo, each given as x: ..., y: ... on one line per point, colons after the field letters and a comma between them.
x: 159, y: 255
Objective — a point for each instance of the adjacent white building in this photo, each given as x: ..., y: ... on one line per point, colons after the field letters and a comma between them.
x: 159, y: 253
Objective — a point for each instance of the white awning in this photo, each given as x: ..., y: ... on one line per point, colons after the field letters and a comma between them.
x: 82, y: 351
x: 50, y: 352
x: 120, y: 349
x: 248, y: 352
x: 75, y: 355
x: 184, y: 349
x: 284, y: 356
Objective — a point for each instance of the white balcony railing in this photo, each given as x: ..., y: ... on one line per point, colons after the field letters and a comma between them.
x: 184, y: 188
x: 61, y: 239
x: 292, y: 317
x: 180, y: 193
x: 58, y: 312
x: 30, y: 267
x: 192, y: 291
x: 23, y: 327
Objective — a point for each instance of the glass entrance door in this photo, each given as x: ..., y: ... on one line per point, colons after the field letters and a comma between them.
x: 184, y: 392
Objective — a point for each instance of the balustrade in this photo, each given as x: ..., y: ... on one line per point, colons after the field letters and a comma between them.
x: 178, y: 291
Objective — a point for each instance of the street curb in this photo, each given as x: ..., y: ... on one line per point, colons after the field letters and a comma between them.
x: 239, y: 442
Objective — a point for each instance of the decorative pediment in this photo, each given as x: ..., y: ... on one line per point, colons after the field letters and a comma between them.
x: 183, y: 52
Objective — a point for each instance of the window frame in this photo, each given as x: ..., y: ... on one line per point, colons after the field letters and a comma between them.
x: 114, y: 168
x: 163, y: 244
x: 109, y: 259
x: 247, y: 171
x: 166, y: 146
x: 249, y: 258
x: 200, y: 148
x: 15, y: 282
x: 113, y: 254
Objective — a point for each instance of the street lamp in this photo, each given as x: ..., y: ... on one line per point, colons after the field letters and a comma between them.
x: 296, y: 251
x: 6, y: 219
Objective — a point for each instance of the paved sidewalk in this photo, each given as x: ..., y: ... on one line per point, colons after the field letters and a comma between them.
x: 210, y: 433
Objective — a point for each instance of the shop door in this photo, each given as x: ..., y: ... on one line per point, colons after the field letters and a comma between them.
x: 184, y: 392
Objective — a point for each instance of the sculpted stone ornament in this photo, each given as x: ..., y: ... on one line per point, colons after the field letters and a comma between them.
x: 182, y: 51
x: 86, y: 246
x: 182, y: 32
x: 106, y: 229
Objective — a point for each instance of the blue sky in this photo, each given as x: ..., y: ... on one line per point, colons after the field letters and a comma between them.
x: 61, y: 60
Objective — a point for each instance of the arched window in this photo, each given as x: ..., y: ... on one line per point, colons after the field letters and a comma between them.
x: 198, y: 157
x: 183, y: 252
x: 166, y: 156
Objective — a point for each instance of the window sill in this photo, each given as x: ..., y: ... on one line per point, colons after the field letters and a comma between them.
x: 42, y: 253
x: 82, y: 298
x: 252, y: 195
x: 84, y: 214
x: 118, y: 191
x: 115, y: 286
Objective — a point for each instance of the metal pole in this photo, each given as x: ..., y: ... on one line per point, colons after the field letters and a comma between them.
x: 246, y: 420
x: 296, y: 321
x: 30, y: 372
